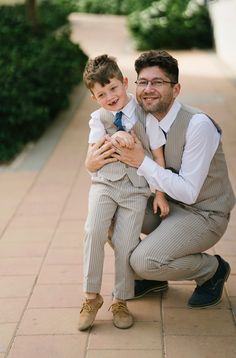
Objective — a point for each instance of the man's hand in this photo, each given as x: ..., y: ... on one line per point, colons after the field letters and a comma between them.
x: 99, y: 154
x: 133, y: 157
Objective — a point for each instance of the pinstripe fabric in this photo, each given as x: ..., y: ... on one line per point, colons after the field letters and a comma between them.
x: 174, y: 250
x: 116, y: 189
x: 217, y: 193
x: 128, y: 202
x: 117, y: 170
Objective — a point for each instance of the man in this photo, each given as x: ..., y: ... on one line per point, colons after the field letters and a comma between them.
x: 195, y: 180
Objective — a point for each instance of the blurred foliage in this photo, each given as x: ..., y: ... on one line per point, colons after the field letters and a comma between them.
x: 172, y: 24
x: 37, y: 73
x: 117, y: 7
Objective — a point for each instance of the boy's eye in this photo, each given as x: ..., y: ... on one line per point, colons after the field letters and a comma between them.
x: 113, y: 88
x: 101, y: 95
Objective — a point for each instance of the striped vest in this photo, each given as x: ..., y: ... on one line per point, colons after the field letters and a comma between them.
x: 216, y: 193
x: 117, y: 170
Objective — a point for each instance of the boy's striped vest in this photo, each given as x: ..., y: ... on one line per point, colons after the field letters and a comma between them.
x: 117, y: 170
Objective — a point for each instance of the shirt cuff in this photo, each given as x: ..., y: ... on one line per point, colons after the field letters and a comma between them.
x: 92, y: 174
x: 147, y: 167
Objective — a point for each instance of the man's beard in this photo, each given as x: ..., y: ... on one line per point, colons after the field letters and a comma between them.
x: 160, y: 108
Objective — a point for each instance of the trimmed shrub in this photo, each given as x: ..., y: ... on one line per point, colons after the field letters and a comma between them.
x: 173, y: 24
x: 37, y: 74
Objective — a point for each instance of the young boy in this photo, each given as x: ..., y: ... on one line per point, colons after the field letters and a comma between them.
x: 116, y: 189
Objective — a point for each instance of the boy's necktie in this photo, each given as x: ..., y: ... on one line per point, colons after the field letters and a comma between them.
x: 117, y: 121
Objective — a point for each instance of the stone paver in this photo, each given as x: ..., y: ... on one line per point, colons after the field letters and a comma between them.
x: 42, y: 213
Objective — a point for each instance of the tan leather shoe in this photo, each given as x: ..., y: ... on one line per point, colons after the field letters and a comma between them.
x: 88, y: 312
x: 122, y: 318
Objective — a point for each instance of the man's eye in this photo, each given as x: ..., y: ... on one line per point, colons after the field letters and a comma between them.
x: 157, y: 83
x: 142, y: 83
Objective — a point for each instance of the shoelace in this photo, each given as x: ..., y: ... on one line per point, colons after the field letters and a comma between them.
x: 119, y: 307
x: 86, y: 307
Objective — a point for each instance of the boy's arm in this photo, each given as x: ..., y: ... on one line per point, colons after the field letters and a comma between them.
x: 160, y: 200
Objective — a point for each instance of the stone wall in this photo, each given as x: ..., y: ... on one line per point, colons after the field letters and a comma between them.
x: 223, y: 15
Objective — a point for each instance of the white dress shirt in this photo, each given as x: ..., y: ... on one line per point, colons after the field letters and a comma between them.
x: 202, y: 140
x: 154, y: 133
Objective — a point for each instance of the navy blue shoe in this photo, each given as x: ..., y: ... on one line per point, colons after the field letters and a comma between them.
x: 143, y: 287
x: 210, y: 293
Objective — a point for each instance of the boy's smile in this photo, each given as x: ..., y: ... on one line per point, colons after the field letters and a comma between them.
x: 113, y: 95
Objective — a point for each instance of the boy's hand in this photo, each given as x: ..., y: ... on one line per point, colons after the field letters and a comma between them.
x: 123, y: 139
x: 161, y: 203
x: 133, y: 157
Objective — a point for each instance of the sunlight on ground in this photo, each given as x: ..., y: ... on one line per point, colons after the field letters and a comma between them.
x: 9, y: 2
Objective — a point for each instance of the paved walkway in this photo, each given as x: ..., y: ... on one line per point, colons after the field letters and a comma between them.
x: 43, y: 208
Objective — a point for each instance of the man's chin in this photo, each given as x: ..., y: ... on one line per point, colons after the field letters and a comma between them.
x: 148, y: 108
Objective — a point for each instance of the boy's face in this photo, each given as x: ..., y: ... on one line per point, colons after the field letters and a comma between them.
x: 112, y: 96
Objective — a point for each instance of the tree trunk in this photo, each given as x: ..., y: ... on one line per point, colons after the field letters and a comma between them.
x: 31, y: 11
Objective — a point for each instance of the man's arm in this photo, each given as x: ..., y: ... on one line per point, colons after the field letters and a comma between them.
x: 201, y: 144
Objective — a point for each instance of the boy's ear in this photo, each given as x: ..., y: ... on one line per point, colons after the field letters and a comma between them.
x: 93, y: 97
x: 125, y: 82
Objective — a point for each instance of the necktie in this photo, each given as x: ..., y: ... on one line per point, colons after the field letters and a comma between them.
x: 165, y: 134
x: 117, y: 121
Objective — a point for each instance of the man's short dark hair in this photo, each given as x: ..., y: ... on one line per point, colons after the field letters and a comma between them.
x: 161, y: 59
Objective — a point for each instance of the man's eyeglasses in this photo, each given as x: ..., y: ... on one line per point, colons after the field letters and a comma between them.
x: 157, y: 83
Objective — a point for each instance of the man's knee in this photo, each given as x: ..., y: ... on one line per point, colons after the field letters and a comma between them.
x: 137, y: 262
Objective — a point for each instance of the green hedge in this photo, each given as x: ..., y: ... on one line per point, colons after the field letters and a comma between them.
x: 37, y: 73
x: 172, y: 24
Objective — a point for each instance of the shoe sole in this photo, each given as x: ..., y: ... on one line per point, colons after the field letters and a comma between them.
x: 214, y: 303
x: 123, y: 327
x: 147, y: 292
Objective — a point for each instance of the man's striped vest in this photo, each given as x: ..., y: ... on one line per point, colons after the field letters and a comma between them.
x: 216, y: 193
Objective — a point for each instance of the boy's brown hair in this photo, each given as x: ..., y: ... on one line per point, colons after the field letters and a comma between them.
x: 100, y: 70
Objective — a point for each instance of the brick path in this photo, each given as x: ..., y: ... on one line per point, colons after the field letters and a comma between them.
x: 43, y: 209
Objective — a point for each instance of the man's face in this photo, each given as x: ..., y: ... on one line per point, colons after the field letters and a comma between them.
x: 155, y: 97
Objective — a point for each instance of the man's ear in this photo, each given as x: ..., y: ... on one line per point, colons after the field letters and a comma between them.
x: 176, y: 90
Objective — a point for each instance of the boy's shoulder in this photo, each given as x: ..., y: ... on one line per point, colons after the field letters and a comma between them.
x: 99, y: 112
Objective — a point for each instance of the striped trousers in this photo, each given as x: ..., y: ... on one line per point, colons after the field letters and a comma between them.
x: 174, y: 247
x: 127, y: 203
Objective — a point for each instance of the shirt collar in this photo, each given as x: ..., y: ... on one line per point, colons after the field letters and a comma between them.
x: 129, y: 109
x: 167, y: 121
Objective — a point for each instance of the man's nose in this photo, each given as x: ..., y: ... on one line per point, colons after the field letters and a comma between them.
x: 149, y: 87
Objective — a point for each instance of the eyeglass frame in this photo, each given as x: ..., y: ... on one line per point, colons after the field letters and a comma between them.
x: 159, y: 83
